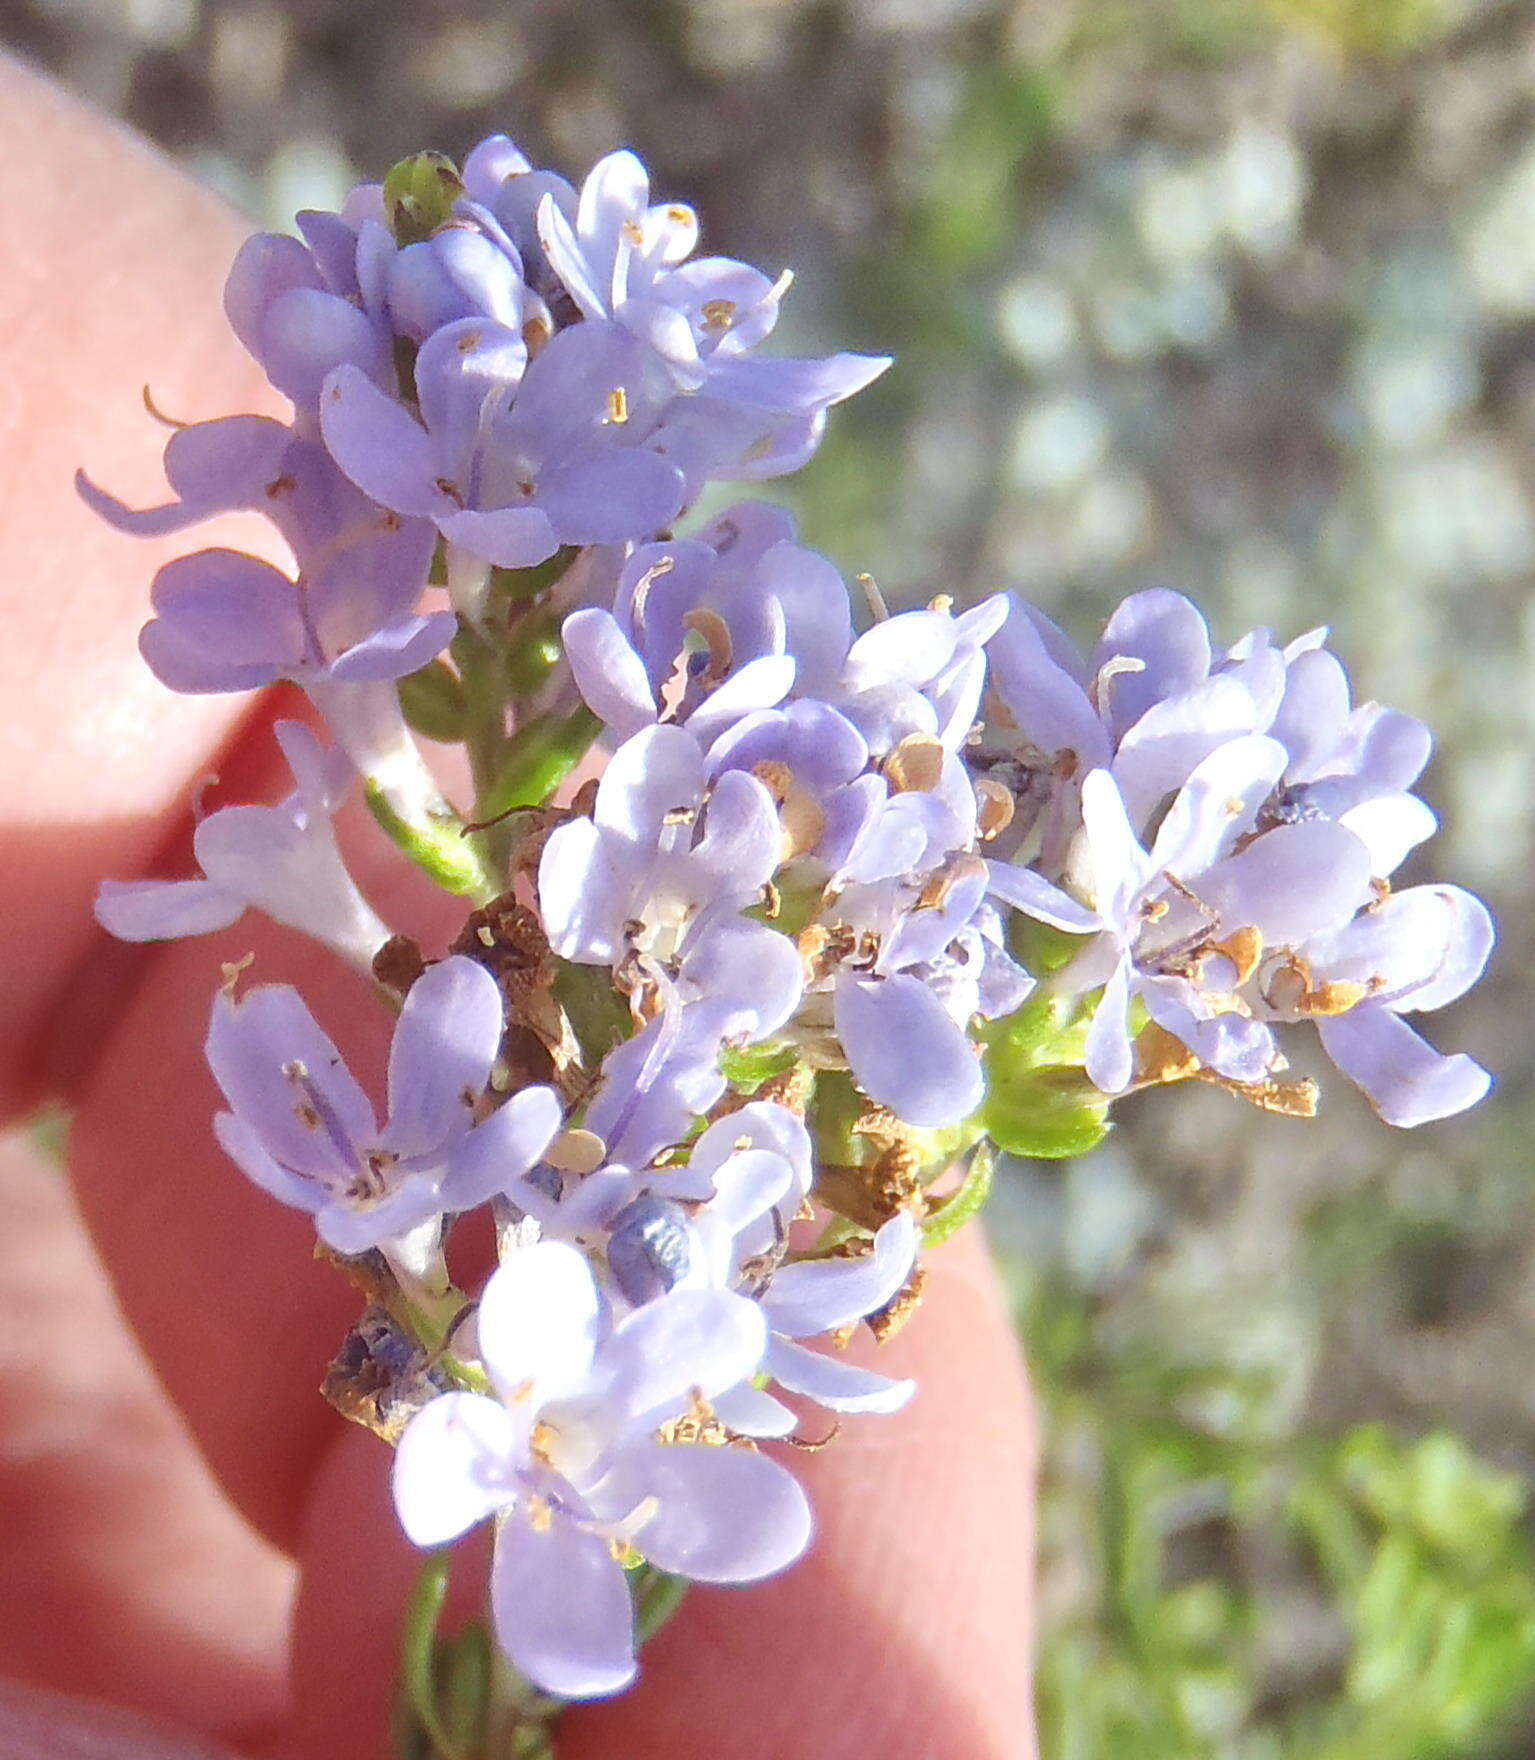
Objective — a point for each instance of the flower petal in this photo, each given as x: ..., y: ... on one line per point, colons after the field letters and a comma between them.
x: 499, y: 1150
x: 1403, y: 1077
x: 1032, y: 894
x: 455, y: 1465
x: 700, y: 1339
x: 260, y: 1049
x: 445, y: 1043
x: 608, y: 672
x: 381, y: 447
x: 830, y: 1382
x: 819, y: 1295
x: 905, y: 1050
x: 1108, y: 1056
x: 539, y: 1322
x: 561, y: 1608
x: 164, y: 910
x: 723, y: 1515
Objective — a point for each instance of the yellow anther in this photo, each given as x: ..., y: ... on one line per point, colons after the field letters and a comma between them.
x: 915, y: 764
x: 576, y: 1151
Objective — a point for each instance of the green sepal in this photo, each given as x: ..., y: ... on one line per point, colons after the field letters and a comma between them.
x: 748, y: 1067
x: 438, y: 848
x: 657, y: 1596
x: 465, y: 1666
x: 1039, y: 1101
x: 1041, y: 948
x: 537, y: 760
x: 967, y: 1202
x: 419, y: 193
x: 799, y: 898
x: 509, y: 586
x: 433, y: 702
x: 598, y: 1015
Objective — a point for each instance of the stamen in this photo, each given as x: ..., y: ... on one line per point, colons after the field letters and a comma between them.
x: 714, y: 632
x: 315, y: 1112
x: 916, y: 764
x: 873, y: 597
x: 995, y: 808
x: 663, y: 565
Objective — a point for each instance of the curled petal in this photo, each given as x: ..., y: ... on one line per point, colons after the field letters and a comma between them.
x: 1403, y: 1077
x: 830, y: 1382
x: 818, y: 1295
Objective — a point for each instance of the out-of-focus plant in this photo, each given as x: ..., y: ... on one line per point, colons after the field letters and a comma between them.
x: 1406, y: 1626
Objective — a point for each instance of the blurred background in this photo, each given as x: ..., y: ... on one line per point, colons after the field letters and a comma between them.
x: 1236, y: 296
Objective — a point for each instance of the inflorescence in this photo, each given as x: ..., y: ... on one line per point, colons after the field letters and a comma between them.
x: 728, y: 1033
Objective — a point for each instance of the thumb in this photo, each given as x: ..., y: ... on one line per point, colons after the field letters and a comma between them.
x: 37, y: 1725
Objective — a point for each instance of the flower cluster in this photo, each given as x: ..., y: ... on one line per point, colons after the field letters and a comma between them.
x: 721, y: 1023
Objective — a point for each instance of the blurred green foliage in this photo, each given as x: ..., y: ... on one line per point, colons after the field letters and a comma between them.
x: 1413, y: 1640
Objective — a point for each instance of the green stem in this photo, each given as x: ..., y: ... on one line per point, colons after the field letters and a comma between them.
x: 483, y: 676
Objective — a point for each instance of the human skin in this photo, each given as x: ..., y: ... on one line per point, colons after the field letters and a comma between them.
x: 170, y: 1481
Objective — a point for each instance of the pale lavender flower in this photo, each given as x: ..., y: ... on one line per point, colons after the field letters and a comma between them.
x: 622, y: 257
x: 302, y: 1129
x: 301, y: 312
x: 710, y: 630
x: 750, y: 1191
x: 227, y: 621
x: 935, y: 961
x: 281, y: 859
x: 655, y: 880
x: 1158, y: 917
x: 244, y: 462
x: 512, y: 458
x: 571, y: 1459
x: 1409, y: 952
x: 921, y: 672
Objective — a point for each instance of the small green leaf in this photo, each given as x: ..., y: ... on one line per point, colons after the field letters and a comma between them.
x: 537, y: 760
x: 466, y: 1668
x: 433, y: 702
x: 419, y: 193
x: 418, y: 1655
x: 510, y: 585
x: 968, y: 1201
x: 657, y: 1596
